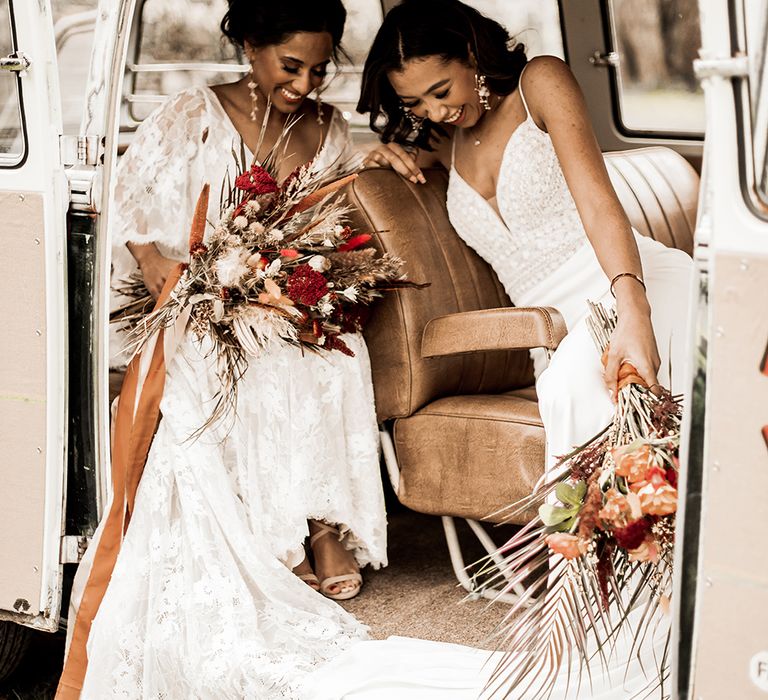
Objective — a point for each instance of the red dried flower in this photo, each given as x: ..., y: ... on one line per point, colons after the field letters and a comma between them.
x: 333, y: 342
x: 633, y: 535
x: 256, y: 181
x: 355, y: 242
x: 306, y: 286
x: 198, y: 249
x: 671, y: 474
x: 224, y: 293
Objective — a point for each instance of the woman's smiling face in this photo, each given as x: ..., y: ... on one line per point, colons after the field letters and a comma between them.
x: 441, y: 91
x: 288, y: 72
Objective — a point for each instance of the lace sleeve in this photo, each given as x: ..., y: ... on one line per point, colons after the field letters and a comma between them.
x: 157, y: 172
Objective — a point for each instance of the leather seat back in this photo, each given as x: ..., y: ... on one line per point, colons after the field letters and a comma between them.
x: 657, y: 187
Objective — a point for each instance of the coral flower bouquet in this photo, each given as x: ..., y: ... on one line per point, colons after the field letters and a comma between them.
x: 599, y: 554
x: 281, y: 265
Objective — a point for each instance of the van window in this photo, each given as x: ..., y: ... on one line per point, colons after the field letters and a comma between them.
x: 656, y: 43
x: 180, y: 45
x: 12, y: 146
x: 756, y: 17
x: 535, y: 23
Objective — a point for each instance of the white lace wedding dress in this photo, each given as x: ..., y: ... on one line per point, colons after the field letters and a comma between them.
x: 539, y: 249
x: 202, y: 602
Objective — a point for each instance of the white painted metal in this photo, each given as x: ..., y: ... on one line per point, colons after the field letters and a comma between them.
x: 390, y: 458
x: 42, y: 175
x: 114, y: 27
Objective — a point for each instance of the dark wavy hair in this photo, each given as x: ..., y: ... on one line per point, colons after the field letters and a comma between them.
x: 445, y: 28
x: 268, y: 22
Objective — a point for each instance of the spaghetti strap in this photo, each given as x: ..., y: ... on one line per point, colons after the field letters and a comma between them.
x: 520, y: 89
x: 453, y: 148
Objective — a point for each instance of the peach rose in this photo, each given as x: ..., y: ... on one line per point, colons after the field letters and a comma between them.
x: 616, y: 509
x: 566, y: 544
x: 633, y: 463
x: 657, y: 496
x: 647, y: 551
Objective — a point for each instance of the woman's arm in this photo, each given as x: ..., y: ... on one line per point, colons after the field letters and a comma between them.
x: 557, y: 105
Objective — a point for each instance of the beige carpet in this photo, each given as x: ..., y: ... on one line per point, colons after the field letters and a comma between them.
x: 418, y: 595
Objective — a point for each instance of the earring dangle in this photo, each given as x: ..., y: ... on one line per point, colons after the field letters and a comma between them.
x: 319, y: 101
x: 252, y: 85
x: 482, y: 91
x: 416, y: 122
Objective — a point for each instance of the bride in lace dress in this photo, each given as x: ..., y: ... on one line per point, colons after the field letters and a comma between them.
x: 529, y: 191
x: 202, y: 602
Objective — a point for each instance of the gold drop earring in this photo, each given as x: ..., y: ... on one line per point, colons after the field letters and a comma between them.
x: 319, y: 101
x: 252, y: 86
x: 481, y: 88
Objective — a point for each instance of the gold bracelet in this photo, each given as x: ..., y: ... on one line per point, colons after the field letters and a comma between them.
x: 626, y: 274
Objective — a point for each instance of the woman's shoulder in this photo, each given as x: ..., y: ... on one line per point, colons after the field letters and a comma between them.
x: 547, y: 82
x: 188, y: 104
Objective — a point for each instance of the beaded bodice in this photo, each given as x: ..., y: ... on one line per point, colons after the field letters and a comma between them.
x: 539, y: 228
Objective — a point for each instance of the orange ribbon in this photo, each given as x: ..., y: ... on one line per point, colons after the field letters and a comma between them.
x: 132, y: 438
x: 130, y: 446
x: 627, y: 373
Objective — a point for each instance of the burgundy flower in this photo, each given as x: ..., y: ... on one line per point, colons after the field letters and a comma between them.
x: 633, y: 535
x: 333, y: 342
x: 256, y: 181
x: 306, y: 286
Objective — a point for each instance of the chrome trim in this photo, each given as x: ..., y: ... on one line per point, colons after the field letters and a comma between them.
x: 16, y: 62
x: 721, y: 67
x: 599, y: 59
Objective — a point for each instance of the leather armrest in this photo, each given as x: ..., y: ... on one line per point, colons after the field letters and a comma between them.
x: 509, y: 328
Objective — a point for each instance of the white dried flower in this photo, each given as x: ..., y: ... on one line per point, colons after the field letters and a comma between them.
x: 319, y: 263
x: 276, y: 234
x: 231, y: 267
x: 252, y: 207
x: 325, y: 306
x: 240, y: 222
x: 338, y: 229
x: 256, y: 228
x: 328, y: 243
x: 350, y: 293
x: 274, y: 267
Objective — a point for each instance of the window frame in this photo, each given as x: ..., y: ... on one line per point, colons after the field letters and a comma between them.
x: 755, y: 201
x: 610, y: 39
x: 9, y: 163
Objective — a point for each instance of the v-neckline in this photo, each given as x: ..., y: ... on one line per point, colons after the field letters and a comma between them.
x: 496, y: 211
x: 218, y: 105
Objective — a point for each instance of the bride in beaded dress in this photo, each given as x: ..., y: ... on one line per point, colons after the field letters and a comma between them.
x: 528, y: 190
x: 202, y: 601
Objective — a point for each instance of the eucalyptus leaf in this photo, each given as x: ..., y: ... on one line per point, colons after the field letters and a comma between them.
x: 554, y: 515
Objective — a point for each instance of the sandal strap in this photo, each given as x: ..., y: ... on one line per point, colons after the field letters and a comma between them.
x: 309, y: 577
x: 327, y: 582
x: 325, y: 529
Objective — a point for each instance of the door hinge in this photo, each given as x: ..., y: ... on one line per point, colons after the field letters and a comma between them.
x: 72, y: 548
x: 16, y: 62
x: 81, y: 150
x: 81, y: 157
x: 721, y: 67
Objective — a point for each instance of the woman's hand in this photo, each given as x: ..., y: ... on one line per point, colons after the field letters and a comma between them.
x: 154, y: 267
x: 633, y: 341
x: 395, y: 156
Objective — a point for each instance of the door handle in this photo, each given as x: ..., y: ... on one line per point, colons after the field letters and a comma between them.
x: 16, y: 62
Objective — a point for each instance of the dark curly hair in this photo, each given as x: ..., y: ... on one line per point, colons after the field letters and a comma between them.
x: 268, y: 22
x: 445, y: 28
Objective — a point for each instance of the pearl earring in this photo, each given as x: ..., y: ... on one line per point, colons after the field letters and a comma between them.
x: 319, y: 101
x: 416, y: 122
x: 482, y: 91
x: 252, y: 85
